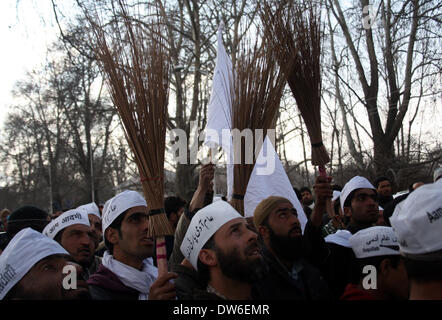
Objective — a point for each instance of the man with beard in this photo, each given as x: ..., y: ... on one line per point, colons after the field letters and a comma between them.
x: 291, y: 256
x: 127, y: 271
x: 72, y: 231
x: 384, y: 190
x: 33, y: 267
x: 225, y: 252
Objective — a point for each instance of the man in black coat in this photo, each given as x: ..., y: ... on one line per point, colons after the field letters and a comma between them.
x: 292, y: 257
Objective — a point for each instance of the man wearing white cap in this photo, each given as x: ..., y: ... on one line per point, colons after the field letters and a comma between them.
x: 93, y: 213
x: 72, y: 231
x: 225, y: 252
x: 382, y: 274
x: 417, y: 222
x: 127, y: 272
x: 32, y: 267
x: 359, y: 203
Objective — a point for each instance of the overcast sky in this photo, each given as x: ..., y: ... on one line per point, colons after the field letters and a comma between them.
x: 26, y: 30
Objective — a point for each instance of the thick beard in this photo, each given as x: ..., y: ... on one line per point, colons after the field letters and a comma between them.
x: 286, y: 247
x: 240, y: 269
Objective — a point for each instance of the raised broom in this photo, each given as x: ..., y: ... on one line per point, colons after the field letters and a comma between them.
x: 257, y: 93
x: 294, y: 28
x: 137, y: 69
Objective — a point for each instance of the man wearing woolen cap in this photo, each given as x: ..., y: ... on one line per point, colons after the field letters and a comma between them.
x: 72, y: 231
x: 382, y: 274
x: 24, y: 217
x: 293, y: 257
x: 32, y: 267
x: 225, y: 252
x: 417, y: 222
x: 128, y: 272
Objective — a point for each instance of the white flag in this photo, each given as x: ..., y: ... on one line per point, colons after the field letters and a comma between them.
x: 264, y: 183
x: 219, y: 114
x: 220, y: 105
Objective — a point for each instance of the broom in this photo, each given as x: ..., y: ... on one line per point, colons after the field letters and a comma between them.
x: 295, y: 31
x: 256, y: 97
x: 137, y: 70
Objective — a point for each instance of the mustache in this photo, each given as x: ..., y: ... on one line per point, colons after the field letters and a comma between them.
x: 252, y: 247
x: 84, y: 248
x: 296, y: 228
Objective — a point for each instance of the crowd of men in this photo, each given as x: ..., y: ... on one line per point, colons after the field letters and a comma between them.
x: 369, y: 246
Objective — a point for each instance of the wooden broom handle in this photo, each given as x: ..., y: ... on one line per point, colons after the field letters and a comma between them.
x: 161, y: 256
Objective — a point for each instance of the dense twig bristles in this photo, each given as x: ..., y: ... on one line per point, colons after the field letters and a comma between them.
x: 136, y: 64
x: 258, y: 86
x: 159, y: 226
x: 294, y: 29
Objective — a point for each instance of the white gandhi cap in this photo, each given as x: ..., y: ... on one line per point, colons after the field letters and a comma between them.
x: 90, y: 208
x: 374, y: 241
x: 119, y: 204
x: 202, y: 227
x: 356, y: 182
x: 26, y: 249
x: 417, y: 221
x: 65, y: 220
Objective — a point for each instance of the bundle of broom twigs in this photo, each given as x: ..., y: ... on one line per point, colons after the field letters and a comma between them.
x: 258, y: 86
x: 294, y: 28
x: 136, y: 65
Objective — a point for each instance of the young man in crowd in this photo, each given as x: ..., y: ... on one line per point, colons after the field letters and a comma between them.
x: 94, y: 216
x: 382, y: 274
x: 358, y: 201
x: 384, y: 190
x: 225, y: 252
x: 32, y: 267
x: 128, y: 272
x: 417, y: 222
x: 291, y: 256
x: 174, y: 207
x: 72, y: 231
x: 307, y: 201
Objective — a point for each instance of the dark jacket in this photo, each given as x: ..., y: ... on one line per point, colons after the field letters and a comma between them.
x: 200, y: 294
x: 88, y: 272
x: 279, y: 285
x: 188, y: 280
x: 339, y: 269
x: 105, y: 285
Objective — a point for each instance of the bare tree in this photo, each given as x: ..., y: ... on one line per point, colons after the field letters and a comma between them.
x: 390, y: 53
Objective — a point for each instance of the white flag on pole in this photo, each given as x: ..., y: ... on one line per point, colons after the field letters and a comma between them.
x: 220, y: 105
x: 219, y: 114
x: 275, y: 183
